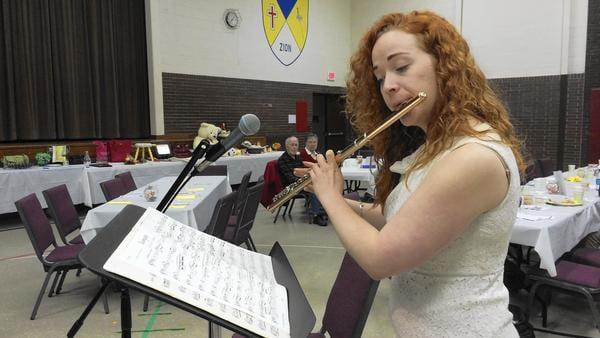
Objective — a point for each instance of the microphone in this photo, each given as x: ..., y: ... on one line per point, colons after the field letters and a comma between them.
x: 249, y: 125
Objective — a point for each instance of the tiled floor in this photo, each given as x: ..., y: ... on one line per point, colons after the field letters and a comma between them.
x: 314, y: 252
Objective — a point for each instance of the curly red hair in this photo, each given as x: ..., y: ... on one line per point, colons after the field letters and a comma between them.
x: 464, y: 93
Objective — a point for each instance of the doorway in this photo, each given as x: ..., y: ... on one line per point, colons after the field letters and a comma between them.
x: 329, y: 122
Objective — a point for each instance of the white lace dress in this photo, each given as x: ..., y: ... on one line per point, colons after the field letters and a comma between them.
x: 458, y: 293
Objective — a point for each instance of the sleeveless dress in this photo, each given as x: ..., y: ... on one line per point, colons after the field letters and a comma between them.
x: 459, y: 292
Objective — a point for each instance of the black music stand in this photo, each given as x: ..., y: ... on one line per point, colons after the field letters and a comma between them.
x: 96, y: 253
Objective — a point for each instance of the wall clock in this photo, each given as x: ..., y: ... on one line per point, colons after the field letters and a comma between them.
x: 232, y: 18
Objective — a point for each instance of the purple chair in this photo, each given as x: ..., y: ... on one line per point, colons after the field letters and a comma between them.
x: 63, y: 212
x: 242, y: 193
x: 571, y: 277
x: 60, y: 260
x: 127, y: 180
x: 245, y: 220
x: 349, y: 302
x: 113, y: 189
x: 587, y: 256
x: 221, y: 214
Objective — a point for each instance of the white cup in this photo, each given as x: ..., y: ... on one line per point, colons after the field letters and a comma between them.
x: 540, y: 184
x: 571, y: 167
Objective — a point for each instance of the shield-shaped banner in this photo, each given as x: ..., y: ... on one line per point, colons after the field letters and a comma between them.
x: 286, y: 27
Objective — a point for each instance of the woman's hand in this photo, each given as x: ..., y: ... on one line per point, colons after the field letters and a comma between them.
x: 326, y: 176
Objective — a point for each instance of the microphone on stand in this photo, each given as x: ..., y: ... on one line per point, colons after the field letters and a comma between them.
x: 249, y: 125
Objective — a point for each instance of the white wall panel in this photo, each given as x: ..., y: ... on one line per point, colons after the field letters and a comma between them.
x: 514, y: 38
x: 194, y: 40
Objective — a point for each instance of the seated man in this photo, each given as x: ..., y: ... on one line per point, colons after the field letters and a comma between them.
x: 309, y: 153
x: 287, y: 162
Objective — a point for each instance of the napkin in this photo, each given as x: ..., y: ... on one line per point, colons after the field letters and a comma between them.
x: 119, y: 202
x: 185, y: 197
x: 531, y: 217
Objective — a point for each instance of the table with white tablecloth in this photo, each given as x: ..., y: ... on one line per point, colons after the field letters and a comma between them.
x: 17, y: 183
x: 357, y: 173
x: 142, y: 173
x: 237, y: 167
x: 554, y: 236
x: 193, y: 206
x: 84, y: 183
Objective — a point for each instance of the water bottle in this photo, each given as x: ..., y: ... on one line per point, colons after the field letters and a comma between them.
x: 86, y: 159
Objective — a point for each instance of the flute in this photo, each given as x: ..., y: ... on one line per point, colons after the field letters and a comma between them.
x: 293, y: 189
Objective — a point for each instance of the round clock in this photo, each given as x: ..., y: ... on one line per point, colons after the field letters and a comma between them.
x: 232, y: 18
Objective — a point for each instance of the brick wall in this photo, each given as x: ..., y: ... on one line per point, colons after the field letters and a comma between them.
x: 192, y: 99
x: 547, y: 111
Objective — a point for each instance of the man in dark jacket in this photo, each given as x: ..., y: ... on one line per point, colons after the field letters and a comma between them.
x: 287, y: 162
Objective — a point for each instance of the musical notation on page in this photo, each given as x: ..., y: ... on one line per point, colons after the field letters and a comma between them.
x: 204, y: 271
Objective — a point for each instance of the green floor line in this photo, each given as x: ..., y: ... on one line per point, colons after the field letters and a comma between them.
x: 155, y: 330
x: 151, y: 321
x: 153, y: 314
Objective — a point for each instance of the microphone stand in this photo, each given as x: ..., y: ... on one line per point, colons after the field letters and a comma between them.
x: 189, y: 171
x: 186, y: 174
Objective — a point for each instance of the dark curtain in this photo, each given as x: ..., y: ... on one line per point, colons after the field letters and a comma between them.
x: 73, y: 69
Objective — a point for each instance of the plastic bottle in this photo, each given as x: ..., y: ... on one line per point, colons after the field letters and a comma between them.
x: 86, y: 159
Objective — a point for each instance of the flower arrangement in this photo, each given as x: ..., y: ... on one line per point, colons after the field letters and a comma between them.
x: 42, y: 159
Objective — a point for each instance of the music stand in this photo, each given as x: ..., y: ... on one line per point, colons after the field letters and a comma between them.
x: 96, y: 253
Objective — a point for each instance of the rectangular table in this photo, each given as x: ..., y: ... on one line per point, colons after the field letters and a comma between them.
x: 18, y: 183
x: 193, y: 206
x: 237, y: 167
x: 551, y: 238
x: 355, y: 174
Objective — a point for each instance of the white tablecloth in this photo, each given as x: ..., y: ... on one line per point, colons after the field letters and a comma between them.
x: 553, y: 237
x: 142, y: 174
x: 17, y: 183
x: 352, y: 171
x: 84, y: 183
x: 196, y: 212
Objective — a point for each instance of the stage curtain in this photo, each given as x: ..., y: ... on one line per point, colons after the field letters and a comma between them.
x: 73, y: 69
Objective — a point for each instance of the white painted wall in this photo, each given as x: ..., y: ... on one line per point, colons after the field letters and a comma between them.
x: 195, y: 40
x: 509, y: 38
x: 365, y: 13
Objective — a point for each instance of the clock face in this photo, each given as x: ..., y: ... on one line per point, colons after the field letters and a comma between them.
x: 232, y: 19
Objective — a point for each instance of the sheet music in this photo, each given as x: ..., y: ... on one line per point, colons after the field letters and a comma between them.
x: 216, y: 276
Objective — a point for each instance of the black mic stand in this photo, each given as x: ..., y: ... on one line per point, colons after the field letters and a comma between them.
x: 186, y: 174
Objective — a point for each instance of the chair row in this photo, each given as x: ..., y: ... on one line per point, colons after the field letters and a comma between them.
x: 61, y: 259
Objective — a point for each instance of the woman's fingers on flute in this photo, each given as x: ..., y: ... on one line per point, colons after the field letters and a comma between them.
x: 300, y: 171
